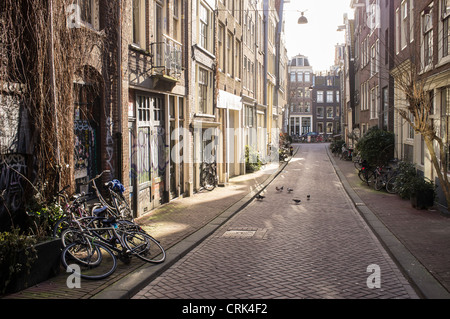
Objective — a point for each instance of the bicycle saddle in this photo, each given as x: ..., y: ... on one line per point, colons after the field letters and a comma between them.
x: 100, y: 211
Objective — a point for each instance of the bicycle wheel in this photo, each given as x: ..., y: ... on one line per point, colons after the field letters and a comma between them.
x: 378, y: 183
x: 89, y: 261
x: 144, y: 247
x: 391, y: 187
x: 60, y: 226
x: 210, y: 182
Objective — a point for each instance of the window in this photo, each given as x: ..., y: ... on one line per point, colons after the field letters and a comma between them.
x: 397, y: 31
x: 373, y: 103
x: 320, y: 127
x: 410, y: 127
x: 300, y: 76
x: 307, y: 77
x: 158, y: 106
x: 292, y: 76
x: 445, y: 116
x: 139, y: 23
x: 411, y: 20
x: 229, y: 65
x: 237, y: 59
x: 143, y: 104
x: 204, y: 22
x: 319, y: 96
x: 205, y: 90
x: 330, y: 97
x: 86, y: 11
x: 330, y: 112
x: 176, y: 20
x: 220, y: 53
x: 143, y: 107
x: 320, y: 112
x: 427, y: 23
x: 445, y: 17
x: 329, y: 128
x: 373, y: 60
x: 307, y: 107
x: 404, y: 23
x: 249, y: 116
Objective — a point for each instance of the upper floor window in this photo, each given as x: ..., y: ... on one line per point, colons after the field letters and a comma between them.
x: 86, y: 13
x: 205, y: 91
x: 177, y: 20
x: 330, y: 97
x: 404, y: 23
x: 319, y: 96
x: 445, y: 17
x: 427, y: 33
x: 139, y: 23
x: 307, y: 77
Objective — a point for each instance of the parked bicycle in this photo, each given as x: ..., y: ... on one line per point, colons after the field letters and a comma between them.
x: 346, y: 153
x: 117, y: 204
x: 94, y: 245
x: 382, y: 175
x: 366, y: 173
x: 208, y: 176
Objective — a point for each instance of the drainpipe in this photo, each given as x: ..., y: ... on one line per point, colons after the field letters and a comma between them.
x: 55, y: 108
x: 119, y: 89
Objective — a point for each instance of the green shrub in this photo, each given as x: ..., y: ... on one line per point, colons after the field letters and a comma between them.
x: 405, y: 179
x: 17, y: 255
x: 376, y: 146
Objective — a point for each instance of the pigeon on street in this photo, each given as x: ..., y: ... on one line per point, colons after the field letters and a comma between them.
x: 260, y: 197
x: 297, y: 201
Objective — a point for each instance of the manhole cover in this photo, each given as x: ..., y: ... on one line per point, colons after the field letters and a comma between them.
x: 239, y: 233
x: 245, y: 232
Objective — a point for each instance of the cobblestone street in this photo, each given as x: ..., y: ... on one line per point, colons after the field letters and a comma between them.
x: 276, y: 248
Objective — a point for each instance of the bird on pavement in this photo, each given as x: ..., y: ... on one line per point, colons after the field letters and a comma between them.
x: 289, y: 189
x: 260, y: 197
x: 297, y: 201
x: 280, y: 189
x: 308, y: 196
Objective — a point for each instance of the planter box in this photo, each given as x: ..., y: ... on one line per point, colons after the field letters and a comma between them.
x: 46, y: 265
x: 422, y: 200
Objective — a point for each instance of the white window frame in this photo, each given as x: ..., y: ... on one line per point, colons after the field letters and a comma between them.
x: 320, y: 98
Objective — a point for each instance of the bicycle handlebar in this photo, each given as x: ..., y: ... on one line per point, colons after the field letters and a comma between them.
x: 98, y: 176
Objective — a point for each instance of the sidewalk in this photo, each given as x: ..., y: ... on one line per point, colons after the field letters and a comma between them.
x: 179, y: 225
x: 418, y: 240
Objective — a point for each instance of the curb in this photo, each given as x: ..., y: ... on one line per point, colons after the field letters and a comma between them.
x: 424, y: 282
x: 132, y: 283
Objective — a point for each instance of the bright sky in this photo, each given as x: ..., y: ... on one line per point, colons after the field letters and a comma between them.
x: 318, y: 38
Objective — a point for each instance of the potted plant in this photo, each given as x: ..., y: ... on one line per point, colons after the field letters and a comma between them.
x: 423, y: 193
x: 30, y: 256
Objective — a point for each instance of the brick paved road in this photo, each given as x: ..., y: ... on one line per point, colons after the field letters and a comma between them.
x: 274, y: 248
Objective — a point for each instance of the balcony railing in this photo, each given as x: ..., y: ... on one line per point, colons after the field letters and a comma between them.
x: 167, y: 57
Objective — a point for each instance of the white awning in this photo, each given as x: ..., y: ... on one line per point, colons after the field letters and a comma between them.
x: 229, y: 101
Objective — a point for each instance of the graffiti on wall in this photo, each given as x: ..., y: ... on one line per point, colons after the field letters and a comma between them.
x: 12, y: 169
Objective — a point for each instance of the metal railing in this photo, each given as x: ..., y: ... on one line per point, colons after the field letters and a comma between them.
x: 167, y: 57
